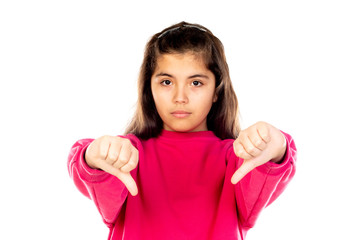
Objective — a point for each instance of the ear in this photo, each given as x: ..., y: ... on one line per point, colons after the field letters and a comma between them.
x: 215, y: 98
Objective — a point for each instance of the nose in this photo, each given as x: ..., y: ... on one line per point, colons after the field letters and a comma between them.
x: 180, y: 95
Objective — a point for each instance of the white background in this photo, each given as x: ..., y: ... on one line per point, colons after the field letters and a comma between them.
x: 68, y: 70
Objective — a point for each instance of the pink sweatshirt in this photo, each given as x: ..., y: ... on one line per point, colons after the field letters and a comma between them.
x: 184, y: 187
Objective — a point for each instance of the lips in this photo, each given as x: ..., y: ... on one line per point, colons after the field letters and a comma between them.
x: 180, y: 114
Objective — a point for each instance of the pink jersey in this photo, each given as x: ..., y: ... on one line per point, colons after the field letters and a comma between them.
x: 184, y: 187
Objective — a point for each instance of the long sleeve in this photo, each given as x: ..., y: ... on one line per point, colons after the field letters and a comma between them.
x: 263, y: 185
x: 184, y: 186
x: 107, y: 192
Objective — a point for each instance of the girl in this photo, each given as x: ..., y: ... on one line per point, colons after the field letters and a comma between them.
x: 187, y: 176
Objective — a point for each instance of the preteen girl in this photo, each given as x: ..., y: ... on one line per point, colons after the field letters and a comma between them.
x: 190, y: 171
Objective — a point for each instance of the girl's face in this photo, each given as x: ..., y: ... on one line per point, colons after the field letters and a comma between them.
x: 184, y: 91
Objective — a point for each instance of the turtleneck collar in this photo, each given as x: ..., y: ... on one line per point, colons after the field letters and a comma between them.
x: 186, y: 135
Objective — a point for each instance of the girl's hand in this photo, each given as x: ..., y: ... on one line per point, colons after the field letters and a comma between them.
x: 257, y: 145
x: 114, y: 155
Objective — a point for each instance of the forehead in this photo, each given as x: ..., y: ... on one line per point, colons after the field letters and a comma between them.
x: 182, y: 61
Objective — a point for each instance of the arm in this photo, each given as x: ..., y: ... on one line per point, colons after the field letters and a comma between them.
x: 261, y: 185
x: 107, y: 192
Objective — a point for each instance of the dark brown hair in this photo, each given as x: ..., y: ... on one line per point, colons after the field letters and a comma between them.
x: 223, y: 118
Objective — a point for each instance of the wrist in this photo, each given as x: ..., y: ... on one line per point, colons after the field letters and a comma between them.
x: 281, y: 153
x: 279, y: 158
x: 87, y: 162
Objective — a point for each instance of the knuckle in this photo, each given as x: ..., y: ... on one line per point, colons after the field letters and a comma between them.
x: 245, y: 156
x: 122, y: 161
x: 135, y: 151
x: 237, y: 149
x: 112, y: 157
x: 257, y: 142
x: 243, y: 135
x: 126, y: 144
x: 131, y: 165
x: 250, y: 148
x: 235, y: 145
x: 125, y: 141
x: 104, y: 138
x: 237, y: 141
x: 102, y: 153
x: 261, y: 123
x: 118, y: 164
x: 266, y: 137
x: 136, y: 160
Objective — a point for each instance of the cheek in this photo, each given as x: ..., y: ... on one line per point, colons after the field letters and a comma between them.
x: 203, y: 104
x: 204, y: 98
x: 208, y: 105
x: 155, y: 94
x: 160, y: 100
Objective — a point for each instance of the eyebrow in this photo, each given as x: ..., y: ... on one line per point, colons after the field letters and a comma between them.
x: 199, y: 76
x: 163, y: 75
x: 192, y: 76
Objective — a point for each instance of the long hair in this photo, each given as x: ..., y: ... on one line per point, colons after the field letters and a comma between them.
x: 223, y: 118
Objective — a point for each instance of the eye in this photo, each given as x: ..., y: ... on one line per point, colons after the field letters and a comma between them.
x: 196, y: 83
x: 166, y: 82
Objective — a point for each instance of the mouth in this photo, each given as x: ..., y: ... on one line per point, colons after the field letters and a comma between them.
x: 180, y: 114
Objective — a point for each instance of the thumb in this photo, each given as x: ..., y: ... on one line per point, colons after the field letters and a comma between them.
x: 124, y: 177
x: 128, y: 181
x: 244, y: 169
